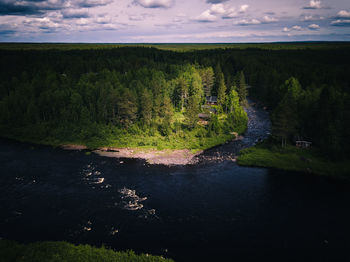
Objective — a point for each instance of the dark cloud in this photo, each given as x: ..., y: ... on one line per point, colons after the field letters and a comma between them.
x: 216, y: 1
x: 153, y: 3
x: 11, y: 8
x: 75, y: 13
x: 341, y: 22
x: 92, y: 3
x: 7, y: 32
x: 39, y: 7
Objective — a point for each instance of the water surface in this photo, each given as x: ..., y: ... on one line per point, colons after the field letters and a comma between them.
x: 215, y: 208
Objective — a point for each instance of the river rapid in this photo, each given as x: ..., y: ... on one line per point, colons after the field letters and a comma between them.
x: 207, y: 211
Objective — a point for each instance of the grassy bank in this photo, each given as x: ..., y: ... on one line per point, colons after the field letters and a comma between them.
x: 293, y: 159
x: 63, y: 251
x: 99, y: 135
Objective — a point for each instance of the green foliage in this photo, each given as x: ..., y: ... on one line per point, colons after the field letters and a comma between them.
x: 66, y: 252
x: 292, y: 158
x: 242, y: 88
x: 221, y: 90
x: 192, y: 112
x: 103, y: 94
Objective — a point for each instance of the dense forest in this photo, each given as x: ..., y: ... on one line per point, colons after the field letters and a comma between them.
x: 114, y: 95
x: 137, y: 97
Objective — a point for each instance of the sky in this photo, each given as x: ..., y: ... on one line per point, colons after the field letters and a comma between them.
x: 173, y: 21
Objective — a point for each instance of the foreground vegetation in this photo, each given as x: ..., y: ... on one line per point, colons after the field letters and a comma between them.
x: 11, y: 251
x: 292, y: 158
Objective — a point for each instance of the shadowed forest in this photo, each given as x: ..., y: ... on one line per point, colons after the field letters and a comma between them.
x: 147, y: 97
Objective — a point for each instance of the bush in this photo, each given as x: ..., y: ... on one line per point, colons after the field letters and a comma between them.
x: 63, y: 251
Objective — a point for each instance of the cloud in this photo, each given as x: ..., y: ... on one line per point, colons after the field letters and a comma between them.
x: 341, y: 22
x: 205, y: 17
x: 343, y: 14
x: 45, y: 24
x: 230, y: 13
x: 7, y: 29
x: 267, y: 19
x: 12, y: 7
x: 92, y: 3
x: 293, y: 28
x: 244, y: 22
x: 243, y: 8
x: 314, y: 4
x: 216, y: 1
x: 306, y: 18
x: 224, y: 11
x: 153, y: 3
x: 75, y: 13
x: 217, y: 9
x: 140, y: 17
x: 314, y: 27
x: 40, y: 7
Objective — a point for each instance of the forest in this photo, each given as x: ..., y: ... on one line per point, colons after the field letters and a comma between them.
x: 125, y: 97
x: 149, y: 97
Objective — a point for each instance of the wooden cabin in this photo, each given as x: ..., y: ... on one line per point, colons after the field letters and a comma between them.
x: 212, y: 100
x: 303, y: 144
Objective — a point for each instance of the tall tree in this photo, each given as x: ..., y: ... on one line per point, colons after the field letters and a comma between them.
x: 146, y: 107
x: 242, y: 88
x: 166, y: 115
x: 207, y: 75
x: 221, y: 91
x: 219, y: 77
x: 192, y: 111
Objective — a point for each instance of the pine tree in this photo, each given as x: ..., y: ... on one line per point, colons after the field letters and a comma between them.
x: 219, y: 77
x: 221, y: 91
x: 242, y: 88
x: 146, y: 107
x: 192, y: 111
x: 166, y: 113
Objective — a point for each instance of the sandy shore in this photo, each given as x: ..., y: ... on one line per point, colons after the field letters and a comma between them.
x: 152, y: 156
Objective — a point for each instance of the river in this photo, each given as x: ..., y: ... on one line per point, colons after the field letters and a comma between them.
x: 204, y: 211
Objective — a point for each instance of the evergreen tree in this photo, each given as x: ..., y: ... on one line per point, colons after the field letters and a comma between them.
x: 166, y: 115
x: 221, y: 91
x: 207, y: 75
x: 127, y: 108
x: 219, y: 78
x: 192, y: 111
x: 242, y: 88
x: 146, y: 107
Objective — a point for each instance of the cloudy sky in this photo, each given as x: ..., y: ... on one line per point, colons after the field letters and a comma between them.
x: 128, y: 21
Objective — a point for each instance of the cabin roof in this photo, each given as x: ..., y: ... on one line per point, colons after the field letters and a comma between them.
x: 212, y: 99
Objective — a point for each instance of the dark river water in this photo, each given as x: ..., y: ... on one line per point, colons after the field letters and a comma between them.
x: 201, y: 212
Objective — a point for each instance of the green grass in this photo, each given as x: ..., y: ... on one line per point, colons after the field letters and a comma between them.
x: 11, y: 251
x: 99, y: 135
x: 294, y: 159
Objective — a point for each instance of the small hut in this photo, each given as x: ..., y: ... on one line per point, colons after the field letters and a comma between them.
x: 303, y: 144
x: 212, y: 100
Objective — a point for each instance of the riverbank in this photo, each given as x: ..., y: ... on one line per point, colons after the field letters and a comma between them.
x: 152, y: 156
x: 63, y: 251
x: 293, y: 159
